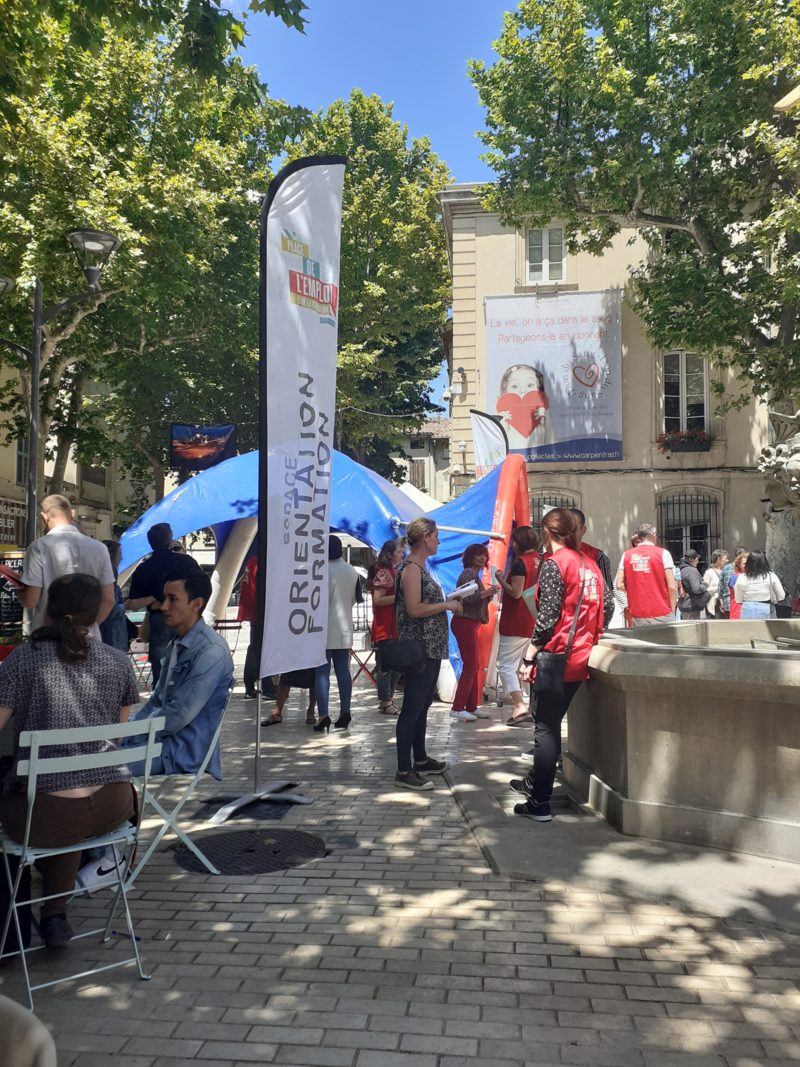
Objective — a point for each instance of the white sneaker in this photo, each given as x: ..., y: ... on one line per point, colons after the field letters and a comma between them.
x: 98, y: 873
x: 463, y: 716
x: 479, y: 713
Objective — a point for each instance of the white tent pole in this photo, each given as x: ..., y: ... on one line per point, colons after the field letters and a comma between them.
x: 228, y: 566
x: 458, y: 529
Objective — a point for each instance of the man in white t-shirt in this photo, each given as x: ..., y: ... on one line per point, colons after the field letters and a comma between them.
x: 646, y: 575
x: 63, y: 550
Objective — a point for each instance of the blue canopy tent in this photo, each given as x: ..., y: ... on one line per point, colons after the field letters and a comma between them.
x: 363, y: 504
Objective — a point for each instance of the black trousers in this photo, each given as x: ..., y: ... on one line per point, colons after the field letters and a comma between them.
x: 412, y: 722
x: 550, y: 712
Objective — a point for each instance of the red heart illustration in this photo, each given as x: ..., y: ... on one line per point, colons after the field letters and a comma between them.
x: 587, y: 375
x: 523, y: 409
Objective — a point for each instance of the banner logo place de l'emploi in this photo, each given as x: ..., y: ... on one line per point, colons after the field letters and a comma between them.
x: 306, y: 287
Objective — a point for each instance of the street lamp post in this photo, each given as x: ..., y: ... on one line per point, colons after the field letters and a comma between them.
x: 92, y: 248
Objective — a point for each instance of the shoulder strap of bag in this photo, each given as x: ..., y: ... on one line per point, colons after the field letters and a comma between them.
x: 397, y: 587
x: 578, y: 608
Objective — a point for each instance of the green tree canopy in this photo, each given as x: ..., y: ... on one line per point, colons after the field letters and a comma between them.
x: 127, y: 140
x: 206, y: 31
x: 614, y: 114
x: 395, y: 280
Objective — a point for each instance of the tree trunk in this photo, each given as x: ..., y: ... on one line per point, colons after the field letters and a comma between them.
x: 67, y: 433
x: 158, y: 479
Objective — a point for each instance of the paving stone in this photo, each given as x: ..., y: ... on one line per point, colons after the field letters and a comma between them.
x: 407, y: 951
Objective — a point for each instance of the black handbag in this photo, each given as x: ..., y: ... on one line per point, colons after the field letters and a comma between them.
x: 403, y: 657
x: 550, y: 666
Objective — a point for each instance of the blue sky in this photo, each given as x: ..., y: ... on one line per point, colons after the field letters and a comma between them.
x: 413, y: 53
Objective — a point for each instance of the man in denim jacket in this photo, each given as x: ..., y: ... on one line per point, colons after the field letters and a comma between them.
x: 196, y: 673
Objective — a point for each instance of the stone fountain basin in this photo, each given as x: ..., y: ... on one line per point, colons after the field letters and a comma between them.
x: 686, y: 733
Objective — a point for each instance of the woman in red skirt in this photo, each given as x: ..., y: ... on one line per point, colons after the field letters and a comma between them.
x: 466, y: 703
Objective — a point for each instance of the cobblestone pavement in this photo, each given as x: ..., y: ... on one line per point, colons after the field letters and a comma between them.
x: 401, y: 948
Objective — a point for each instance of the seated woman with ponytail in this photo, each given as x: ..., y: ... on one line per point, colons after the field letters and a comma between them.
x: 64, y: 679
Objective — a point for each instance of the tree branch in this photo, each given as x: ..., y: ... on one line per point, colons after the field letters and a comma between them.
x: 639, y: 219
x: 54, y: 338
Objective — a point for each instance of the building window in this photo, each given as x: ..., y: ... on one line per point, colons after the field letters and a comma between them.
x: 546, y: 254
x: 94, y: 475
x: 22, y: 460
x: 689, y: 520
x: 685, y: 391
x: 416, y: 473
x: 417, y: 444
x: 549, y: 498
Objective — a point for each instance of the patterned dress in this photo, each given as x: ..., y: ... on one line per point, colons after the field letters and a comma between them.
x: 431, y: 631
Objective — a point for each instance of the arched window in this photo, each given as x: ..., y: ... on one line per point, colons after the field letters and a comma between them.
x: 554, y: 498
x: 689, y: 520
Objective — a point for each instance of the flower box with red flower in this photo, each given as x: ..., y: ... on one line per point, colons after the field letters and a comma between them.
x: 684, y: 441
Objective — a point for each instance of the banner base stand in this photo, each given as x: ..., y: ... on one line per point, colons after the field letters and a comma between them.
x: 270, y: 791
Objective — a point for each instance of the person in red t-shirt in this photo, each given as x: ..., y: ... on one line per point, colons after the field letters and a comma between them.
x: 384, y: 620
x: 248, y: 612
x: 569, y: 583
x: 647, y: 577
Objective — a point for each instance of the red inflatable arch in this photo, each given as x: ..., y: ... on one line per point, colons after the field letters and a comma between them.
x: 512, y: 508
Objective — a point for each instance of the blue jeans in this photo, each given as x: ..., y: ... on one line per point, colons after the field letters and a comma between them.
x: 753, y: 609
x: 340, y: 657
x: 136, y: 767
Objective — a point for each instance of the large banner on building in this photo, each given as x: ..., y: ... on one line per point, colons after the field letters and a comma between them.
x: 553, y: 374
x: 489, y: 442
x: 299, y: 288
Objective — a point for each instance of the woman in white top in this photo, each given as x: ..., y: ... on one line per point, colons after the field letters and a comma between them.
x: 344, y: 590
x: 758, y: 589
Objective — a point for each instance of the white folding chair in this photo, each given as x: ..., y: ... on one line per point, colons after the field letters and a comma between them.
x: 125, y: 837
x: 170, y: 817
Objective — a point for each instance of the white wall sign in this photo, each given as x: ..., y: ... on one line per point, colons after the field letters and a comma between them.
x: 553, y: 371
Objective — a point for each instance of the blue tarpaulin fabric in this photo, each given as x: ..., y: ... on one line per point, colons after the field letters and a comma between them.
x: 363, y: 504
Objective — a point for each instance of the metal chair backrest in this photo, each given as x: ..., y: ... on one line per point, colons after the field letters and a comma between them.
x: 37, y: 765
x: 217, y: 732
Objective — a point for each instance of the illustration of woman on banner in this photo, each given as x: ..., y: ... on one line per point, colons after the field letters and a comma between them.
x: 524, y: 407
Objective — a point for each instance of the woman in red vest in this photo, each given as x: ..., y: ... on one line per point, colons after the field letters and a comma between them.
x: 569, y: 584
x: 516, y: 618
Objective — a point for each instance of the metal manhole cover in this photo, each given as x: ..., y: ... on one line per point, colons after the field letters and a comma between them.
x: 253, y: 851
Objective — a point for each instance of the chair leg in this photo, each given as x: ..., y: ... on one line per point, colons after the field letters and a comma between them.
x: 12, y: 910
x: 169, y: 824
x: 112, y: 907
x: 11, y: 898
x: 124, y: 891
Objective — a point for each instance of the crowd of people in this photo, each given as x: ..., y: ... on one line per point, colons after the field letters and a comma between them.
x: 558, y: 596
x: 652, y: 590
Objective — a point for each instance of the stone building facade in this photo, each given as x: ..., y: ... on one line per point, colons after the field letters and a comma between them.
x: 696, y: 499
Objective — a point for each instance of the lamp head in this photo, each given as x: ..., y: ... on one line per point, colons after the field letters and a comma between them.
x: 92, y: 248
